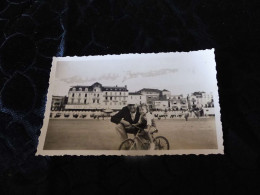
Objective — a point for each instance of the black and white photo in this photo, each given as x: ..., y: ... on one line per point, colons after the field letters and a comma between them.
x: 133, y: 104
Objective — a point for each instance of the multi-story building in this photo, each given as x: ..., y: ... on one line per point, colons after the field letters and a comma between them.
x: 178, y: 102
x: 166, y: 94
x: 58, y: 103
x: 201, y: 99
x: 97, y: 97
x: 151, y: 95
x: 161, y: 105
x: 137, y: 97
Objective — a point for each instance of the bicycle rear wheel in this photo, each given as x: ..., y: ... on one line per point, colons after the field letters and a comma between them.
x: 128, y: 144
x: 161, y: 143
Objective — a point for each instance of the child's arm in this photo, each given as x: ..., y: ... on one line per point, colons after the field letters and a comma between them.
x: 149, y: 122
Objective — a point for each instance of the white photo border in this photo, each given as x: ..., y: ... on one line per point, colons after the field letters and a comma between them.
x: 41, y: 151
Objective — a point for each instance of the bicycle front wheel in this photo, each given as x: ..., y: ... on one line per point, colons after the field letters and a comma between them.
x: 128, y: 144
x: 161, y: 143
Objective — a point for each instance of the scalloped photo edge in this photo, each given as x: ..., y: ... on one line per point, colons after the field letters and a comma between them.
x: 89, y: 98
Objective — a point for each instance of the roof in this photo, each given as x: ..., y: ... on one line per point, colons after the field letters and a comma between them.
x: 165, y: 90
x: 150, y: 90
x: 198, y: 93
x: 114, y: 88
x: 103, y: 88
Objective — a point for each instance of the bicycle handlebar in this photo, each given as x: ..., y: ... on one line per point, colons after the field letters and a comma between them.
x: 141, y: 129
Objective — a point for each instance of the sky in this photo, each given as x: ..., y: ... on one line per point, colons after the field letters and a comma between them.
x: 180, y: 73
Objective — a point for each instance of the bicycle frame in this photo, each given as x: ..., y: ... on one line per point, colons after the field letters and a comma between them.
x: 138, y: 139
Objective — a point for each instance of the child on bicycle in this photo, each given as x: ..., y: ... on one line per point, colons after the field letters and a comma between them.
x: 147, y: 121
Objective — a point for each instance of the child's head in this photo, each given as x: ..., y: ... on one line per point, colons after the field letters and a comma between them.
x: 144, y: 109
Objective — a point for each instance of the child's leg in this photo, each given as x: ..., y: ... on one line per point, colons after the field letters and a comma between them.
x: 152, y: 145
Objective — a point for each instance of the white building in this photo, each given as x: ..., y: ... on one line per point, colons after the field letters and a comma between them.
x: 178, y: 102
x: 151, y: 95
x: 201, y: 99
x: 166, y: 93
x: 96, y: 97
x: 161, y: 105
x: 137, y: 97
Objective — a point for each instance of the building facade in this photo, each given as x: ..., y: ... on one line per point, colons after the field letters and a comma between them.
x: 178, y: 102
x: 161, y: 105
x: 58, y: 103
x: 166, y: 94
x: 97, y: 97
x: 201, y: 99
x: 151, y: 95
x: 137, y: 98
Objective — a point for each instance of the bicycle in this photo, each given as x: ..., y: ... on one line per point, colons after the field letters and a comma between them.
x: 161, y: 143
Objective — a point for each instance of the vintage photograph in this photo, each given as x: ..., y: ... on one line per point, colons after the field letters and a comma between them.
x: 133, y: 104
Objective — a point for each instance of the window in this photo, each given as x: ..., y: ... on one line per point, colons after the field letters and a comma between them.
x: 73, y: 95
x: 106, y: 93
x: 94, y: 94
x: 98, y: 95
x: 120, y: 93
x: 98, y: 101
x: 72, y: 101
x: 85, y: 95
x: 85, y: 101
x: 79, y: 94
x: 140, y: 97
x: 106, y: 98
x: 110, y: 98
x: 93, y: 101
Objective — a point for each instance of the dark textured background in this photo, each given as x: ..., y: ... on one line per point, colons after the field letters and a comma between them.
x: 31, y: 32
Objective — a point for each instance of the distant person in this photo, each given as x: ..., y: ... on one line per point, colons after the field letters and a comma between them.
x: 197, y: 113
x: 201, y: 112
x: 187, y: 114
x: 125, y: 118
